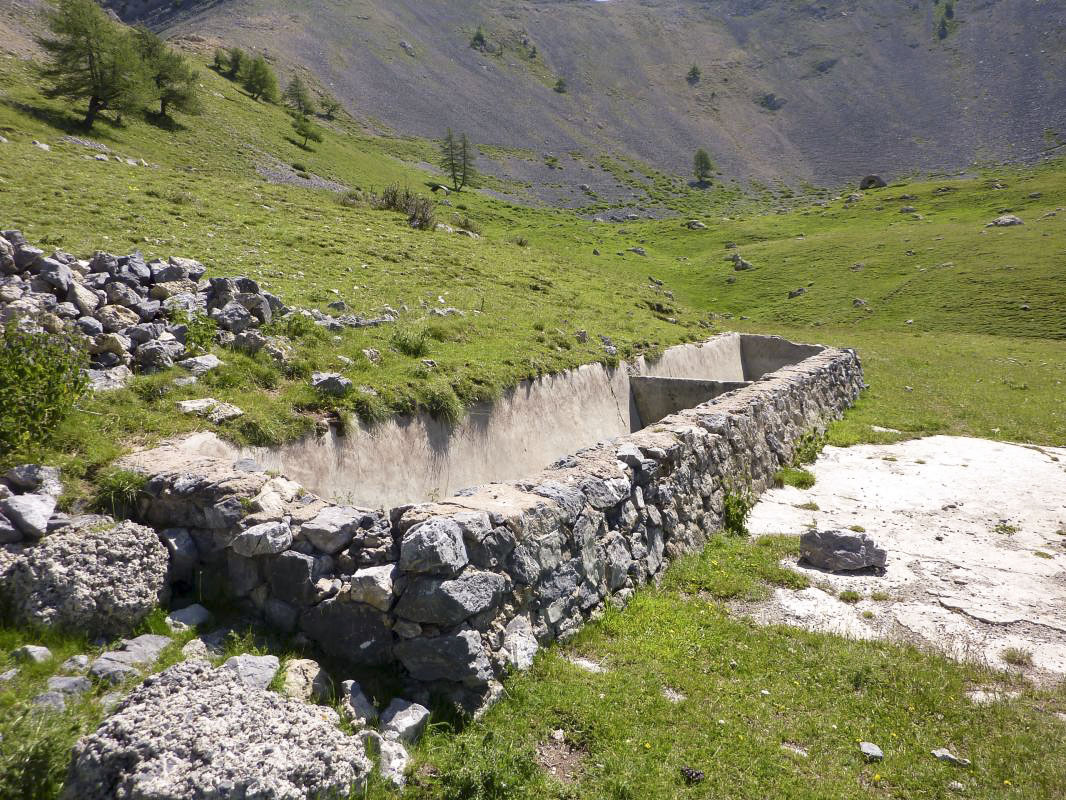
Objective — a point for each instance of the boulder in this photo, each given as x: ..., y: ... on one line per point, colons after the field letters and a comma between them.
x: 35, y: 478
x: 268, y: 538
x: 34, y: 653
x: 1005, y: 221
x: 233, y: 317
x: 195, y: 732
x: 456, y: 657
x: 192, y: 616
x: 117, y: 318
x: 331, y: 531
x: 306, y: 680
x: 449, y: 601
x: 332, y: 383
x: 29, y: 513
x: 839, y: 551
x: 434, y: 546
x: 374, y: 585
x: 200, y: 365
x: 405, y: 720
x: 872, y: 182
x: 354, y: 705
x: 115, y: 666
x: 253, y: 672
x: 97, y: 579
x: 351, y: 631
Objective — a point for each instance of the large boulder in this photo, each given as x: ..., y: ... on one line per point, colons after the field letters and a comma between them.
x: 456, y: 657
x: 93, y: 577
x: 447, y: 602
x: 434, y: 546
x: 195, y: 732
x: 837, y: 551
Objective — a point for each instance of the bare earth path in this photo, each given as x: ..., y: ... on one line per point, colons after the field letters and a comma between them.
x: 976, y: 538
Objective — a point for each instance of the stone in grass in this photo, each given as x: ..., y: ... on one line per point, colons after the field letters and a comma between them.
x: 870, y: 751
x: 75, y: 663
x: 189, y: 617
x: 30, y: 513
x: 200, y: 365
x: 50, y: 701
x: 254, y: 672
x: 33, y: 653
x: 943, y: 754
x: 837, y: 551
x: 331, y: 383
x: 69, y: 685
x: 405, y: 720
x: 355, y: 707
x: 8, y: 676
x: 215, y: 410
x: 1005, y: 221
x: 115, y: 666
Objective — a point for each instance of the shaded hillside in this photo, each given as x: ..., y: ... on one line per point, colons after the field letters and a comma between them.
x: 789, y: 91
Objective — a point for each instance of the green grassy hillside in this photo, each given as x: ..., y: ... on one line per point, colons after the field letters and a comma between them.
x: 973, y: 359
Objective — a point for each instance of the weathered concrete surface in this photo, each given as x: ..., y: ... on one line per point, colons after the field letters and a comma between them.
x: 417, y: 458
x: 964, y: 522
x: 656, y: 398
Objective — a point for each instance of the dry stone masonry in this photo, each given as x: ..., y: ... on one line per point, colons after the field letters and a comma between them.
x: 462, y: 590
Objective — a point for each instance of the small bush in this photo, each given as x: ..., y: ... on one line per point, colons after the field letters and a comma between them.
x: 294, y: 326
x: 849, y: 596
x: 466, y: 223
x: 419, y: 210
x: 41, y: 379
x: 736, y: 509
x: 1017, y: 657
x: 793, y: 476
x: 117, y: 492
x: 411, y: 340
x: 809, y: 447
x: 443, y: 403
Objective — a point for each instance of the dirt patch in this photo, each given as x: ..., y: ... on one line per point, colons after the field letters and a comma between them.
x: 976, y: 552
x: 559, y: 758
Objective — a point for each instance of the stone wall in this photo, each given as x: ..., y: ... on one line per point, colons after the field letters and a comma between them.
x: 461, y: 590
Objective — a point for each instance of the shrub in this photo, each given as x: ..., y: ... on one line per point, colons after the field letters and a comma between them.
x: 466, y: 223
x: 849, y: 596
x: 411, y: 340
x: 736, y: 508
x: 419, y: 210
x: 200, y: 329
x: 560, y: 86
x: 808, y: 448
x: 41, y: 379
x: 443, y: 403
x: 117, y: 492
x: 793, y: 476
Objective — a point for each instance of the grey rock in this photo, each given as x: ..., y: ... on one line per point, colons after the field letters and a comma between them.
x: 1005, y: 221
x: 155, y: 356
x: 50, y: 701
x: 33, y: 653
x: 434, y: 546
x: 57, y: 274
x: 182, y: 550
x: 457, y: 657
x: 293, y: 576
x: 115, y: 666
x: 355, y: 707
x: 233, y: 317
x: 870, y: 751
x: 449, y: 601
x: 195, y: 732
x: 9, y: 534
x: 94, y: 578
x: 253, y: 672
x: 268, y: 538
x: 405, y: 719
x: 837, y: 551
x: 108, y: 380
x: 200, y: 365
x: 68, y: 685
x: 943, y: 754
x: 8, y: 676
x: 354, y: 632
x: 35, y: 478
x: 392, y: 762
x: 374, y: 585
x: 76, y: 663
x: 332, y: 383
x: 29, y: 513
x: 331, y: 531
x: 192, y: 616
x: 519, y: 643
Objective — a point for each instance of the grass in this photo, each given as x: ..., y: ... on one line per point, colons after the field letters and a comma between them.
x: 1017, y: 657
x: 794, y: 476
x: 823, y: 694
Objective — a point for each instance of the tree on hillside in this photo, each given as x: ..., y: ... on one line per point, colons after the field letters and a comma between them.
x: 260, y: 81
x: 220, y: 61
x: 694, y: 74
x: 90, y: 58
x: 299, y: 97
x: 175, y: 82
x: 330, y: 106
x: 702, y: 165
x: 560, y: 86
x: 236, y: 63
x: 467, y: 170
x: 478, y: 41
x: 306, y: 130
x: 449, y: 159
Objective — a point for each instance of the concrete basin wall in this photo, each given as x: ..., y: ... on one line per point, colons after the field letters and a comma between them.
x: 417, y: 458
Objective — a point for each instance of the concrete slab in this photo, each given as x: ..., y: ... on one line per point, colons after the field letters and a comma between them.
x: 976, y: 538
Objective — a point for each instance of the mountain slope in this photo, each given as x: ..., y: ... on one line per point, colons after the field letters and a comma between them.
x: 857, y: 87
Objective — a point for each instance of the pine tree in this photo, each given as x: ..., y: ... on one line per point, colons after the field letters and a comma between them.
x: 330, y: 106
x: 467, y: 169
x: 306, y: 130
x: 694, y: 74
x: 449, y: 159
x: 219, y: 63
x: 89, y: 58
x: 702, y: 165
x: 260, y: 81
x: 174, y: 80
x: 299, y: 97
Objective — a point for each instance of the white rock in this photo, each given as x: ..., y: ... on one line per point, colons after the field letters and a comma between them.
x: 373, y: 586
x: 405, y: 719
x: 189, y: 617
x: 355, y: 706
x: 255, y: 672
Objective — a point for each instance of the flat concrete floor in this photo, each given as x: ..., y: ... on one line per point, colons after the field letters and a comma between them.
x: 976, y: 538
